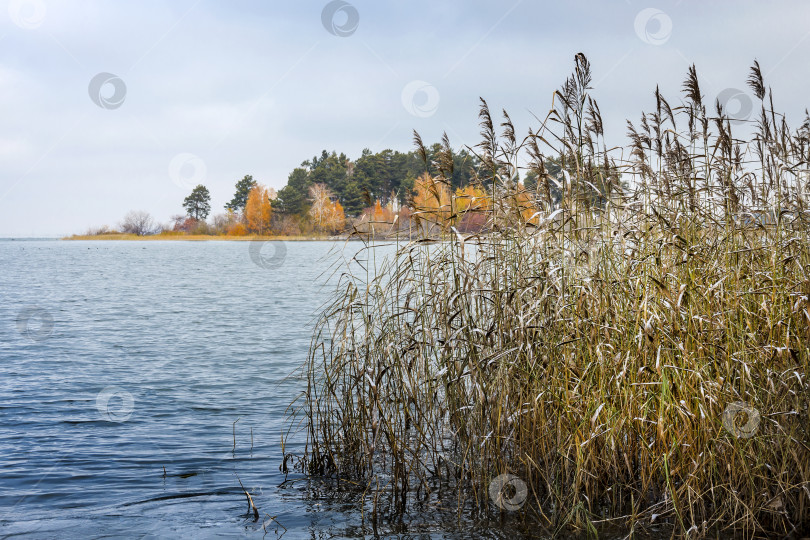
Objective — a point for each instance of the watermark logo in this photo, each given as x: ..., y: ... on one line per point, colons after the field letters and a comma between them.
x: 187, y: 170
x: 27, y: 14
x: 420, y: 99
x: 653, y: 26
x: 736, y: 104
x: 268, y: 254
x: 508, y: 492
x: 741, y: 419
x: 340, y: 18
x: 107, y: 90
x: 35, y: 323
x: 115, y: 404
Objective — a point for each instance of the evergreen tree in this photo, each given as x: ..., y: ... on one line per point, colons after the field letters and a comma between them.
x: 292, y: 199
x: 353, y: 199
x: 240, y: 198
x: 373, y: 176
x: 198, y: 204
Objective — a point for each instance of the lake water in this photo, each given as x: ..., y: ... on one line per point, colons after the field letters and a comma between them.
x: 124, y: 366
x: 138, y: 379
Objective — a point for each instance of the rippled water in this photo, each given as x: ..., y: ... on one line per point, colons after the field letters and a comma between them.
x: 138, y: 379
x: 124, y: 366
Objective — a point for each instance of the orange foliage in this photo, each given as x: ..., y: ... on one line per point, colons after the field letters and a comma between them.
x: 258, y: 210
x: 327, y: 215
x: 471, y: 199
x: 335, y: 218
x: 431, y: 200
x: 237, y: 229
x: 471, y: 205
x: 382, y: 214
x: 524, y: 201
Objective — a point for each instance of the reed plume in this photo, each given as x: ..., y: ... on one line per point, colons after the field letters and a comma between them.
x: 635, y: 352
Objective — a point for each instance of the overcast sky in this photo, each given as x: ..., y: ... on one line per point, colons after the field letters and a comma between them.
x: 108, y: 106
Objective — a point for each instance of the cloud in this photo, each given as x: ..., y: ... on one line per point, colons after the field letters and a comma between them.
x: 258, y: 89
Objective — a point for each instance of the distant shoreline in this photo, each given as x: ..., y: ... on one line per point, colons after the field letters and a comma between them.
x: 200, y: 237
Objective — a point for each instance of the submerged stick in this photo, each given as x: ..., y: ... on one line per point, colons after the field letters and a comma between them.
x: 234, y: 434
x: 251, y: 506
x: 272, y: 519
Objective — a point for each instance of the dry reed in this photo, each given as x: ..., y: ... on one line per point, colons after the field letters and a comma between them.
x: 601, y: 350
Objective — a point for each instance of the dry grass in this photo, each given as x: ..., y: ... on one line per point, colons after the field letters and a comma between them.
x: 594, y: 353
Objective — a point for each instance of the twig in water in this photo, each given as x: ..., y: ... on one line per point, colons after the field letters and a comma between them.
x: 251, y: 506
x: 234, y: 434
x: 273, y: 520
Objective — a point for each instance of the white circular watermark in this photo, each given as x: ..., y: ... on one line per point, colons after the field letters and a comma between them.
x: 27, y: 14
x: 508, y: 492
x: 115, y: 404
x: 653, y: 26
x: 737, y: 104
x: 733, y: 416
x: 187, y: 170
x: 107, y: 90
x: 35, y: 323
x: 340, y: 18
x: 266, y: 260
x: 420, y: 99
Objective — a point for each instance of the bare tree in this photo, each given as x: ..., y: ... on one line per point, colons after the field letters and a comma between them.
x: 96, y: 231
x: 222, y: 222
x: 320, y: 196
x: 138, y: 222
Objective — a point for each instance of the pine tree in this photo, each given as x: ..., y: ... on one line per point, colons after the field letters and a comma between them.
x: 198, y: 203
x: 243, y: 188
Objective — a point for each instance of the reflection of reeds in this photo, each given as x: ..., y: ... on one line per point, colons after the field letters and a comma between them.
x: 592, y: 351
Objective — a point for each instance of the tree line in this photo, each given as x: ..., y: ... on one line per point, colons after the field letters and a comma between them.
x: 331, y: 193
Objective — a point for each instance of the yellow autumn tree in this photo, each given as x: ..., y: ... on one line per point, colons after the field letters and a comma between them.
x: 327, y: 215
x: 335, y: 218
x: 471, y: 199
x: 471, y: 207
x: 431, y: 201
x: 382, y: 214
x: 524, y: 205
x: 258, y: 210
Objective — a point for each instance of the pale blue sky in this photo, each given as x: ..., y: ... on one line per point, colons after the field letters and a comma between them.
x: 256, y: 87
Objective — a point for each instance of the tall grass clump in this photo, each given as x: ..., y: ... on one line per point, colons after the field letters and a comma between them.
x: 629, y: 338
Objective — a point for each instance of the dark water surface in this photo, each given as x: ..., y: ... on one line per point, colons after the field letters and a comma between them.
x: 121, y: 359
